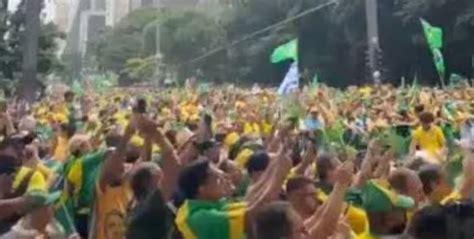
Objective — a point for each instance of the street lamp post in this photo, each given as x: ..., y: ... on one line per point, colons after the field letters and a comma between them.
x: 373, y: 39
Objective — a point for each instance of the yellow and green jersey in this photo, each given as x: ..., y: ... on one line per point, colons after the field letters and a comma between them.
x: 198, y: 219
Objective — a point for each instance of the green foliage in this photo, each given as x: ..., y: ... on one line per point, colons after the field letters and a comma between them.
x: 140, y: 69
x: 332, y: 41
x: 124, y: 42
x: 11, y: 48
x: 187, y: 34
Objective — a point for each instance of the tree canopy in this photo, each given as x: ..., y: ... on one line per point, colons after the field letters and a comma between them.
x: 333, y: 40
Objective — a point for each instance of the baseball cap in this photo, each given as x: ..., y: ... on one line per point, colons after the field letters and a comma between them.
x: 378, y: 197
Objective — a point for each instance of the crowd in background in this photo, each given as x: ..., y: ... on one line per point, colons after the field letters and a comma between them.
x: 231, y: 163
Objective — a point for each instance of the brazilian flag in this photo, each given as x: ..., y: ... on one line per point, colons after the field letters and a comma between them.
x: 198, y: 219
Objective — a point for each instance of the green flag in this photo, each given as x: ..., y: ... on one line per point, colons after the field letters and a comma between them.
x: 287, y: 51
x: 439, y: 62
x: 434, y: 35
x: 77, y: 88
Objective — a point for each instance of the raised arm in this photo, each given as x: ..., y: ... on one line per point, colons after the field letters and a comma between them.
x: 367, y: 168
x: 171, y: 164
x: 467, y: 186
x: 113, y: 168
x: 271, y: 183
x: 324, y: 223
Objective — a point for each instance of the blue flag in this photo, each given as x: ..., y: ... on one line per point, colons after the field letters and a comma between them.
x: 291, y: 81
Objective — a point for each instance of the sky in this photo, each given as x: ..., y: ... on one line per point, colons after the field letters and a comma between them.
x: 49, y: 8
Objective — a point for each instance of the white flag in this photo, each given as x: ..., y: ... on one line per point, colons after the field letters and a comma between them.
x: 291, y: 81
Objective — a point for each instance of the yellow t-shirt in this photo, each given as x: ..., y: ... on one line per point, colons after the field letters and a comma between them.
x: 366, y: 236
x: 252, y: 128
x: 47, y: 173
x: 266, y: 128
x: 431, y: 141
x: 36, y: 183
x: 356, y: 217
x: 61, y: 150
x: 452, y: 197
x: 111, y: 208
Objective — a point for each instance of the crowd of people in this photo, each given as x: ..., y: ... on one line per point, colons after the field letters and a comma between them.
x: 231, y: 163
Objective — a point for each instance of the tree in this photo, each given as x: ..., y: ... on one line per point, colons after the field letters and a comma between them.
x: 116, y: 46
x: 332, y: 40
x: 12, y: 33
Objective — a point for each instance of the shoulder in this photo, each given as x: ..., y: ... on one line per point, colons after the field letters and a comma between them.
x: 417, y: 132
x: 437, y: 130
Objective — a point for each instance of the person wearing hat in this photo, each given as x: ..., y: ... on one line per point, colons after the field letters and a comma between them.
x: 386, y: 210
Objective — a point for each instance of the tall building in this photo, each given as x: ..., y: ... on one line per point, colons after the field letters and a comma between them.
x: 134, y: 4
x: 116, y: 10
x: 86, y: 24
x: 61, y: 18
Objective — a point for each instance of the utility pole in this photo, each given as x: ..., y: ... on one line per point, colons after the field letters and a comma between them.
x: 29, y: 82
x: 373, y: 39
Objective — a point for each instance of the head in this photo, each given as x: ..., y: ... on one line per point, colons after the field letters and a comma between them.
x: 69, y: 96
x: 202, y: 180
x: 435, y: 183
x: 407, y: 182
x: 12, y: 150
x: 302, y: 195
x: 326, y: 169
x: 386, y: 209
x: 230, y: 168
x: 391, y: 222
x: 426, y: 119
x: 443, y: 221
x: 278, y: 220
x: 80, y: 145
x: 113, y: 139
x: 257, y: 164
x: 211, y: 150
x: 313, y: 113
x: 132, y: 152
x: 67, y: 130
x: 27, y: 124
x: 145, y: 179
x: 419, y: 109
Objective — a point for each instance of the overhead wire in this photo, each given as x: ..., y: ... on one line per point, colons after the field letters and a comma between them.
x: 263, y: 30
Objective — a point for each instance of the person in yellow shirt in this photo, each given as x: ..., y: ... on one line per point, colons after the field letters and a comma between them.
x: 61, y: 142
x: 428, y: 138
